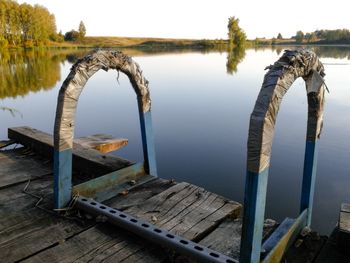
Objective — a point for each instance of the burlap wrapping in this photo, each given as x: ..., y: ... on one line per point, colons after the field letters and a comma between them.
x: 72, y: 87
x: 292, y: 65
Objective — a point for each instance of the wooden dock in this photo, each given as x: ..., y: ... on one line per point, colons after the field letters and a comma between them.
x: 31, y: 231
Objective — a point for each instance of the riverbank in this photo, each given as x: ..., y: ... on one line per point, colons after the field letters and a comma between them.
x: 133, y: 42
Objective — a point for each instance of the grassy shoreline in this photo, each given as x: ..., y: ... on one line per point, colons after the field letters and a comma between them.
x: 168, y: 43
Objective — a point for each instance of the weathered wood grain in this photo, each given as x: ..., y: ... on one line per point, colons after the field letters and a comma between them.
x: 331, y: 251
x: 84, y: 160
x: 305, y: 249
x: 173, y: 206
x: 40, y: 234
x: 186, y: 210
x: 102, y: 142
x: 226, y: 238
x: 105, y: 241
x: 19, y: 167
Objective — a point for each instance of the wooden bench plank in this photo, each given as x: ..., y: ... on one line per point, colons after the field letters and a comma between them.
x: 102, y: 142
x: 84, y: 160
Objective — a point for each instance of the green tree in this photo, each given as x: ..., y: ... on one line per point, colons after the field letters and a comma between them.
x: 312, y: 37
x: 71, y: 35
x: 236, y: 35
x: 82, y: 30
x: 279, y: 36
x: 299, y: 37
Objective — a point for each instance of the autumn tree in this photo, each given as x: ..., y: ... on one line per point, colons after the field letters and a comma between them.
x: 236, y: 35
x: 24, y: 24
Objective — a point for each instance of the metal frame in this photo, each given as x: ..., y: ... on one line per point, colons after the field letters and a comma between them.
x: 252, y: 249
x: 108, y: 185
x: 63, y: 169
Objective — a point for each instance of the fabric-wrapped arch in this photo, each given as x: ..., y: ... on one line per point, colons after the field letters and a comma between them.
x: 281, y: 75
x: 72, y: 87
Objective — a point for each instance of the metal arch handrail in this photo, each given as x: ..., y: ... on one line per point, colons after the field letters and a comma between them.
x: 68, y: 98
x: 292, y: 65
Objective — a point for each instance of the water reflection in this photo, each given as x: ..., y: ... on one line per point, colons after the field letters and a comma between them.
x: 12, y: 111
x: 337, y: 52
x: 29, y: 71
x: 234, y: 57
x: 35, y: 70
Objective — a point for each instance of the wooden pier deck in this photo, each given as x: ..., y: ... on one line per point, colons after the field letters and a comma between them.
x: 30, y: 231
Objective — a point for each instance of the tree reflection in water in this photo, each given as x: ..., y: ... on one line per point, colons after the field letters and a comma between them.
x: 29, y: 71
x: 234, y: 57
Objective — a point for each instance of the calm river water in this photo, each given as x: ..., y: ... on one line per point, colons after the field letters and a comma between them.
x: 201, y: 107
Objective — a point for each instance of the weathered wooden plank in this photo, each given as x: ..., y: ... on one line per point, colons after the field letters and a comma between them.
x: 139, y: 194
x: 89, y: 243
x: 41, y: 234
x: 84, y: 160
x: 226, y: 238
x: 13, y: 199
x: 15, y: 169
x: 104, y: 240
x: 345, y: 207
x: 344, y: 227
x: 169, y: 209
x: 305, y: 249
x: 331, y: 252
x: 26, y: 229
x: 102, y: 142
x: 344, y: 222
x: 109, y: 185
x: 5, y: 143
x: 186, y: 210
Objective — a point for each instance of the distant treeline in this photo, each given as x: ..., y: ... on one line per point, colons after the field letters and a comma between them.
x: 26, y: 25
x: 337, y: 36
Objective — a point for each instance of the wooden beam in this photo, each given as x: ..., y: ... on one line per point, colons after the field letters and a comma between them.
x: 344, y: 227
x: 280, y: 240
x: 103, y: 143
x: 84, y: 160
x: 107, y: 186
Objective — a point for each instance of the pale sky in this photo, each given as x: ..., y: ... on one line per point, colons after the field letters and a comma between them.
x: 196, y: 19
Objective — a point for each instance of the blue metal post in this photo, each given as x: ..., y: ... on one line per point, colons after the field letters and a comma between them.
x: 253, y: 217
x: 148, y: 141
x: 62, y: 177
x: 309, y: 176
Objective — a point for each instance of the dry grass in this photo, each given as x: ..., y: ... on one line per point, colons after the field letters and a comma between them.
x: 130, y: 41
